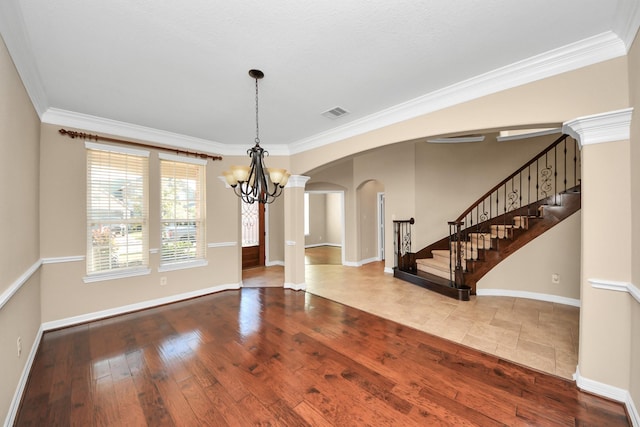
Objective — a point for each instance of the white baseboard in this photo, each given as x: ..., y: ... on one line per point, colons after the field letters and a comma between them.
x: 296, y: 286
x: 318, y: 245
x: 22, y: 383
x: 530, y: 295
x: 388, y: 270
x: 610, y: 392
x: 89, y: 317
x: 361, y: 262
x: 274, y: 263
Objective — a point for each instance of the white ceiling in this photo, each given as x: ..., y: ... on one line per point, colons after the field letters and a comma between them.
x: 176, y: 71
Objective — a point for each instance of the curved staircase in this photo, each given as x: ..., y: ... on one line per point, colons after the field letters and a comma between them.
x: 498, y: 224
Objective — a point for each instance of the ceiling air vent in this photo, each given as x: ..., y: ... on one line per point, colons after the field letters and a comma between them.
x: 335, y: 112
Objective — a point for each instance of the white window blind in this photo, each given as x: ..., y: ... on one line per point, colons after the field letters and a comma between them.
x: 117, y: 209
x: 182, y: 209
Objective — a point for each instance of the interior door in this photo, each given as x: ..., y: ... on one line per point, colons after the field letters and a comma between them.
x: 253, y: 235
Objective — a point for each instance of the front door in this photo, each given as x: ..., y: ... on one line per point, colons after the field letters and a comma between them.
x: 253, y: 235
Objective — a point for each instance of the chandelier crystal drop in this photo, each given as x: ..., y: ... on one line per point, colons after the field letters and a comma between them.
x: 256, y: 183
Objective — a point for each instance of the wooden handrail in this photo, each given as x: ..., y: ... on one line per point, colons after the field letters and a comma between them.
x: 504, y: 181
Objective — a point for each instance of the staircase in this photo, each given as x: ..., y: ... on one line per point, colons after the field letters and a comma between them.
x: 520, y: 208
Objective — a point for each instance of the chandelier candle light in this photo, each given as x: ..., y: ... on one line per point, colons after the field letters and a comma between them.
x: 250, y: 183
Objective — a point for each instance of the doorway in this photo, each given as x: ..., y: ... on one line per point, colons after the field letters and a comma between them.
x: 324, y: 227
x: 253, y: 235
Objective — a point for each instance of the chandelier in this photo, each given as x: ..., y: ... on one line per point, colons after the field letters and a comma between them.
x: 256, y: 183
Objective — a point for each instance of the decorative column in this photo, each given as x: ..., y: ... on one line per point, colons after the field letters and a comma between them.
x: 605, y: 313
x: 294, y: 233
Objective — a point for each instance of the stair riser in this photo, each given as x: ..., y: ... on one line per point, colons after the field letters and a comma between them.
x: 435, y: 271
x: 443, y: 259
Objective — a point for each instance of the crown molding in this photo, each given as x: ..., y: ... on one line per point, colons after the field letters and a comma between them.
x: 600, y: 128
x: 599, y: 48
x: 627, y: 21
x: 13, y: 32
x: 88, y: 122
x: 586, y: 52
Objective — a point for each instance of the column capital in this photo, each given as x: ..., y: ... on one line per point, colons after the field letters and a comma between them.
x: 600, y: 128
x: 297, y: 181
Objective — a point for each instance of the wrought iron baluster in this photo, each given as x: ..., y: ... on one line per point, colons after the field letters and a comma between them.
x: 528, y: 190
x: 538, y: 179
x: 555, y: 175
x: 565, y: 165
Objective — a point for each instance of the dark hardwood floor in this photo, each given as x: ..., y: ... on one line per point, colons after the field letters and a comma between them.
x: 278, y: 357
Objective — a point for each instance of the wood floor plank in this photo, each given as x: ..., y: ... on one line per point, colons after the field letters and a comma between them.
x: 197, y: 398
x: 151, y: 403
x: 280, y: 357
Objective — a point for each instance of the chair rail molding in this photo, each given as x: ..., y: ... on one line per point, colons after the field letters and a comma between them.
x: 611, y: 285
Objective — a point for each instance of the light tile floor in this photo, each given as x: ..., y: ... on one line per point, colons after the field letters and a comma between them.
x: 538, y: 334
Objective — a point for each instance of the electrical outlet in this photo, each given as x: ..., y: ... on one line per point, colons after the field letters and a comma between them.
x: 163, y: 281
x: 19, y: 345
x: 555, y: 278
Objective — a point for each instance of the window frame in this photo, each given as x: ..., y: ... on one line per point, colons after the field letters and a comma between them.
x: 93, y: 217
x: 199, y: 236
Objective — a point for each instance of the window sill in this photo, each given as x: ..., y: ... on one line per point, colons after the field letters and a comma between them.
x: 113, y: 275
x: 183, y: 265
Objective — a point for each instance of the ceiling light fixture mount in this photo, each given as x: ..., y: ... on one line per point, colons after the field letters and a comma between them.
x: 251, y: 183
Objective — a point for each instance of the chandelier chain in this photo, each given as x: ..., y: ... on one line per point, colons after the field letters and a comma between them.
x: 257, y: 140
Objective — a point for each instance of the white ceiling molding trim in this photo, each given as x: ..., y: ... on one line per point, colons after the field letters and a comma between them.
x: 528, y: 135
x: 456, y: 139
x: 12, y: 29
x: 586, y: 52
x: 600, y: 128
x: 627, y: 21
x: 87, y: 122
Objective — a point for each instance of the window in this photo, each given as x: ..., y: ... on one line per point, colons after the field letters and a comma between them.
x: 182, y: 198
x: 117, y: 210
x: 250, y: 224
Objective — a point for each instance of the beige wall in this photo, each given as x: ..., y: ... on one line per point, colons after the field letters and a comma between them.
x: 368, y: 219
x: 634, y: 95
x: 275, y: 232
x: 317, y: 220
x: 530, y: 268
x: 51, y: 214
x: 334, y: 219
x: 339, y: 177
x: 589, y: 90
x: 606, y: 255
x: 450, y: 177
x: 63, y: 207
x: 440, y: 180
x: 389, y: 166
x: 20, y: 251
